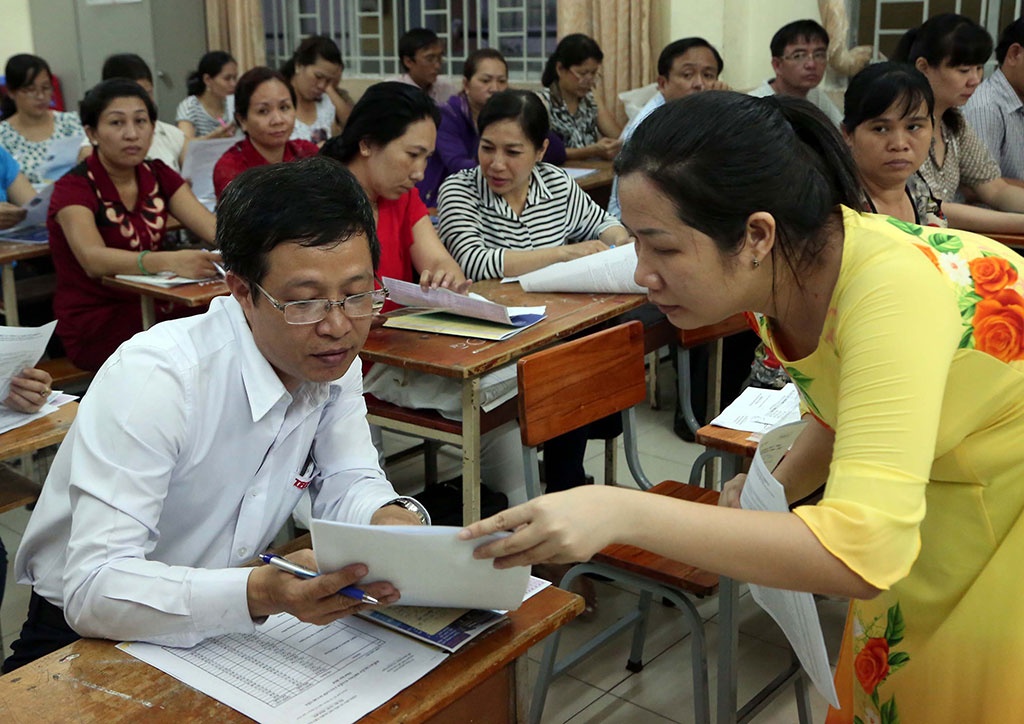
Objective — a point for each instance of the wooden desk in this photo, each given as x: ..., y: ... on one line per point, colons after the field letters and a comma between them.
x: 468, y: 360
x: 597, y: 185
x: 199, y: 294
x: 45, y: 431
x: 90, y: 680
x: 11, y: 252
x: 1014, y: 241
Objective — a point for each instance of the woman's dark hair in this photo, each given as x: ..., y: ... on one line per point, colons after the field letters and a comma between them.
x: 469, y: 68
x: 523, y: 107
x: 210, y: 64
x: 311, y: 202
x: 879, y: 86
x: 679, y: 47
x: 106, y: 92
x: 383, y: 114
x: 571, y: 50
x: 126, y: 65
x: 720, y: 157
x: 309, y: 51
x: 21, y: 71
x: 947, y: 38
x: 250, y: 81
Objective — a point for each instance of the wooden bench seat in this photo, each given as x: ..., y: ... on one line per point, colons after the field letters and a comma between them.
x: 15, y: 489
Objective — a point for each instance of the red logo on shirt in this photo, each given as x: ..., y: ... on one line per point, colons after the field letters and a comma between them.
x: 301, y: 484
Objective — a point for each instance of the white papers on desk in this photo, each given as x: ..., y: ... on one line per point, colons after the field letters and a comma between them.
x: 163, y: 279
x: 12, y: 419
x: 608, y: 272
x: 61, y: 157
x: 793, y: 611
x: 200, y: 158
x: 465, y: 305
x: 579, y: 173
x: 758, y: 410
x: 293, y: 672
x: 429, y: 565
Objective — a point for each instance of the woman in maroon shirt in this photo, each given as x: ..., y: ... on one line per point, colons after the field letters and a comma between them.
x: 265, y: 110
x: 108, y: 216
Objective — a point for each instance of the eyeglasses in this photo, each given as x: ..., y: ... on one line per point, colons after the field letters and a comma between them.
x: 801, y: 56
x: 591, y: 76
x: 41, y: 92
x: 311, y: 311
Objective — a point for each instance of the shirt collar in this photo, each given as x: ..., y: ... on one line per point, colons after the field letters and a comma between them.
x: 1004, y: 94
x: 538, y: 190
x: 105, y: 186
x: 263, y: 387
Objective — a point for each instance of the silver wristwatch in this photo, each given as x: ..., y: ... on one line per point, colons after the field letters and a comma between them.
x: 413, y: 506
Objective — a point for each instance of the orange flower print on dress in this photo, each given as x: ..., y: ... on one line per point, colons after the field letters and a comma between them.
x: 872, y: 664
x: 927, y: 251
x: 999, y: 325
x: 992, y: 274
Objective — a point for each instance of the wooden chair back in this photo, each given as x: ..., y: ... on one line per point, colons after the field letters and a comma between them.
x: 572, y: 384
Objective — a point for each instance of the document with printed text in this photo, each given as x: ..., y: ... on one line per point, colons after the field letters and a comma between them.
x: 793, y: 611
x: 759, y: 410
x: 607, y: 272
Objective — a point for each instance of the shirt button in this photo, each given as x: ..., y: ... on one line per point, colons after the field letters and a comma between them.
x: 254, y: 492
x: 243, y: 551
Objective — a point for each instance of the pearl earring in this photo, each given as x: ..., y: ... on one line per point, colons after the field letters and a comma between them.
x: 756, y: 262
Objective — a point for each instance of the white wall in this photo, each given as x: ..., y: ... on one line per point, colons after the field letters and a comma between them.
x: 17, y: 29
x: 740, y: 29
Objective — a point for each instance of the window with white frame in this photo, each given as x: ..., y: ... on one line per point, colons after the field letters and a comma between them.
x: 367, y: 31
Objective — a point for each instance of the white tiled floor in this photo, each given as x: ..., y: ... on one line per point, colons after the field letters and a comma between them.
x: 600, y: 689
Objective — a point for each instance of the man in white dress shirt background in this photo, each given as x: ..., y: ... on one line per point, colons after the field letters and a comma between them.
x: 799, y: 58
x: 198, y: 437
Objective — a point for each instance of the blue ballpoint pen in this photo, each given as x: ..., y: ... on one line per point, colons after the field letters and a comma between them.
x: 296, y: 570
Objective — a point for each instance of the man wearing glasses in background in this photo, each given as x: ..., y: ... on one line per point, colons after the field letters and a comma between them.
x: 198, y: 438
x: 799, y: 57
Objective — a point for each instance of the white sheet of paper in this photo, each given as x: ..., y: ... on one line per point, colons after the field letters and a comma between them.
x: 61, y: 157
x: 290, y: 672
x: 21, y: 347
x: 36, y: 208
x: 579, y: 173
x: 792, y: 610
x: 758, y: 410
x: 427, y: 564
x: 11, y: 419
x: 200, y: 158
x: 471, y: 305
x: 608, y: 272
x: 163, y: 279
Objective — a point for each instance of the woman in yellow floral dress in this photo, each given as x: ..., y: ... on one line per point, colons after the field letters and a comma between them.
x: 907, y: 345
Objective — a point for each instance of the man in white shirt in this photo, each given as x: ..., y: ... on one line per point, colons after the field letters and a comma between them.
x: 996, y: 110
x: 799, y: 57
x: 198, y: 438
x: 685, y: 66
x: 420, y: 54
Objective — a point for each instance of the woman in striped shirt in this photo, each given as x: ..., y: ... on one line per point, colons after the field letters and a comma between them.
x: 514, y: 214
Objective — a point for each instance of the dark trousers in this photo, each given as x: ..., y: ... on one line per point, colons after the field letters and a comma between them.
x: 44, y: 632
x: 563, y: 455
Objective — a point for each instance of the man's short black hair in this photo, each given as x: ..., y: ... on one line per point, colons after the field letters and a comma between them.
x: 413, y: 40
x: 313, y: 202
x: 1012, y: 33
x: 679, y: 47
x: 126, y: 65
x: 795, y: 31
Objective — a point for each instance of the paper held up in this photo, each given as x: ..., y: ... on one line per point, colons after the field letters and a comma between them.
x: 759, y: 410
x: 200, y: 158
x: 793, y: 611
x: 429, y: 565
x: 465, y: 305
x: 608, y: 272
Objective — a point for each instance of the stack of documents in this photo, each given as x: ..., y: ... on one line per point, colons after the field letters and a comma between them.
x: 445, y: 312
x: 22, y: 347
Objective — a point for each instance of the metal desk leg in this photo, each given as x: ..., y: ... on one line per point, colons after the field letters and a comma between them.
x: 714, y: 391
x: 470, y: 450
x: 148, y: 312
x: 728, y: 634
x: 10, y: 296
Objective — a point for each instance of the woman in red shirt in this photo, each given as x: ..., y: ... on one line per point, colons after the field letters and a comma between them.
x: 108, y: 215
x: 265, y: 111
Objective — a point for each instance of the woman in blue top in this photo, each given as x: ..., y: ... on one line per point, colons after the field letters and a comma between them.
x: 15, y: 191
